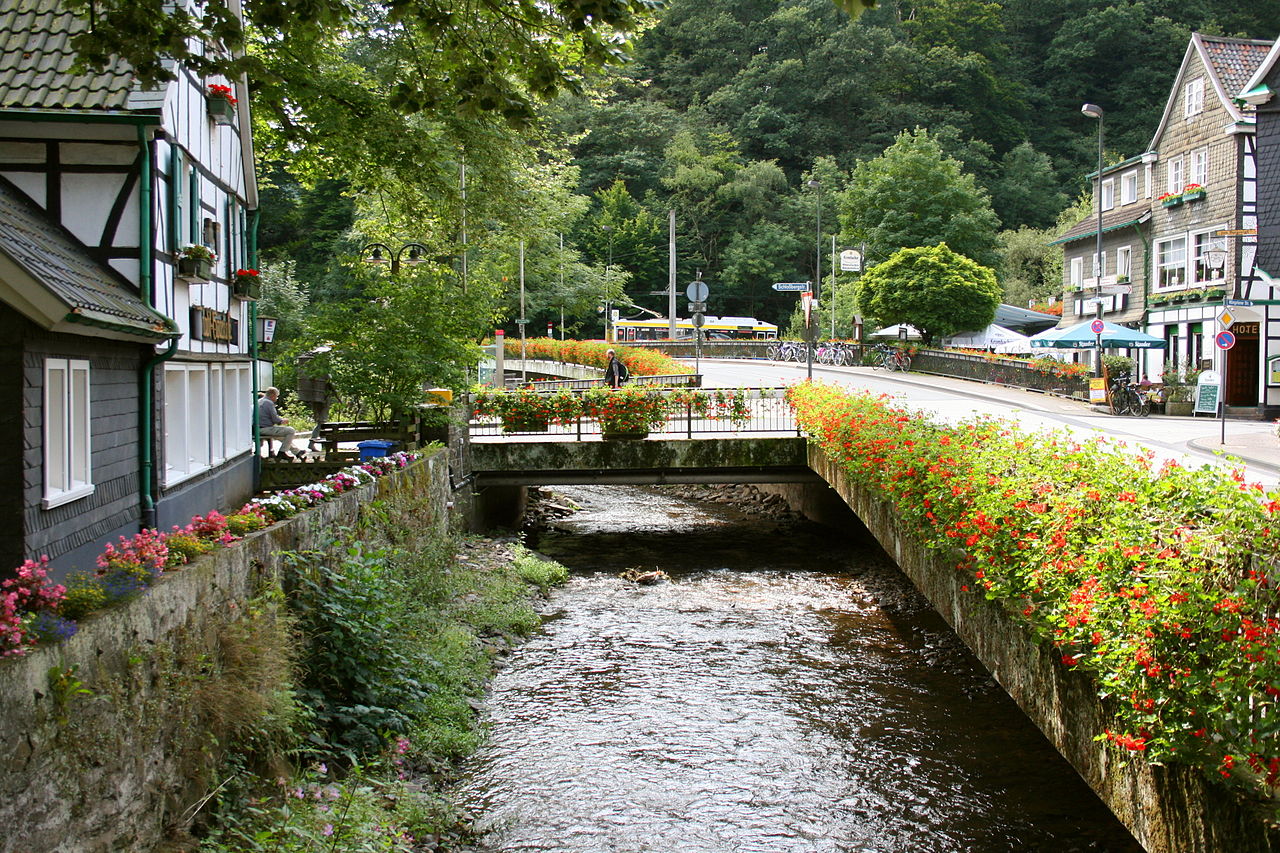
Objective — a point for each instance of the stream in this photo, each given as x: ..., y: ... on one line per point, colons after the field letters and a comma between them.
x: 785, y: 691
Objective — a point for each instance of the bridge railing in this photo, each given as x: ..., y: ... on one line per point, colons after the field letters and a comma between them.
x: 751, y: 410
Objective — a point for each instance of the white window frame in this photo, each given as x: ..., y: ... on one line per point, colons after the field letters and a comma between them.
x: 1200, y: 167
x: 1177, y: 175
x: 1193, y: 97
x: 1077, y: 273
x: 1129, y: 187
x: 207, y: 417
x: 68, y: 437
x: 1170, y: 264
x: 1124, y: 262
x: 1200, y: 243
x: 1108, y: 194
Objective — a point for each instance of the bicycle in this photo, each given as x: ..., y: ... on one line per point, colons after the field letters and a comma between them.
x: 891, y: 358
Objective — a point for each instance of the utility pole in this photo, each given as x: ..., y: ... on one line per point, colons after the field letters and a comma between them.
x: 671, y: 274
x: 524, y: 373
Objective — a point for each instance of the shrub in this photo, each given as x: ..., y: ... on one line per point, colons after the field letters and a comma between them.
x: 542, y: 573
x: 242, y: 523
x: 185, y: 546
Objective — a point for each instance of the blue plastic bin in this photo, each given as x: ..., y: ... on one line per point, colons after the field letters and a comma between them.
x: 374, y: 447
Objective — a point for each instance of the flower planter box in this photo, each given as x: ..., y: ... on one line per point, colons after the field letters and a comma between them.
x: 221, y: 110
x: 195, y: 269
x: 610, y: 435
x: 246, y: 287
x: 1178, y: 408
x: 1193, y: 196
x: 1172, y: 201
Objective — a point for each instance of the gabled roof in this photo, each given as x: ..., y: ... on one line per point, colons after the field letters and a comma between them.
x: 49, y: 277
x: 1228, y: 62
x: 36, y: 64
x: 1113, y: 221
x: 1255, y: 90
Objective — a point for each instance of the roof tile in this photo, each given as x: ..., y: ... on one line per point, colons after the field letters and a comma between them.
x: 1235, y: 60
x: 36, y: 62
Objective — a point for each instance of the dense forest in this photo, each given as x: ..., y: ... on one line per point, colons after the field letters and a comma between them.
x: 917, y: 122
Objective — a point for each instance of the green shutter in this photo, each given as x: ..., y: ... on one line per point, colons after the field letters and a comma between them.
x: 176, y: 180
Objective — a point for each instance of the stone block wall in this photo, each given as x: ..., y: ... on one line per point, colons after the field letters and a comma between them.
x: 121, y: 765
x: 1172, y: 809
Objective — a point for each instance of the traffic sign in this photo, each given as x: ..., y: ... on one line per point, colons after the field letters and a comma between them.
x: 697, y: 291
x: 1117, y: 288
x: 1243, y: 303
x: 1237, y: 232
x: 791, y: 286
x: 698, y: 321
x: 1225, y: 319
x: 1224, y: 340
x: 696, y: 307
x: 1097, y: 327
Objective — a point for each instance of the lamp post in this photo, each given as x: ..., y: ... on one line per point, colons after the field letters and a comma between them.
x: 1095, y: 111
x: 417, y: 255
x: 816, y: 186
x: 608, y: 270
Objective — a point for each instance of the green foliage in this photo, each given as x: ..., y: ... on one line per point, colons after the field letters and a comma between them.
x: 1030, y: 269
x: 540, y: 572
x: 914, y: 195
x: 359, y: 679
x: 934, y: 289
x: 84, y: 596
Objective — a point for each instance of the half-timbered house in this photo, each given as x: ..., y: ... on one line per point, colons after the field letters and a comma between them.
x: 126, y: 386
x: 1203, y: 165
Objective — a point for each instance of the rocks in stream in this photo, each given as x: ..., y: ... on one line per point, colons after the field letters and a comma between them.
x: 742, y: 496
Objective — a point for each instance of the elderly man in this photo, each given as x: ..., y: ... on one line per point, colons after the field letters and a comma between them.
x: 272, y: 425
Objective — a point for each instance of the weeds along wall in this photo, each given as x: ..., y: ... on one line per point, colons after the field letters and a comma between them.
x: 108, y: 740
x: 1169, y: 809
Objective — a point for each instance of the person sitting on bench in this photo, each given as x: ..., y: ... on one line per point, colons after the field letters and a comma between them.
x: 272, y: 425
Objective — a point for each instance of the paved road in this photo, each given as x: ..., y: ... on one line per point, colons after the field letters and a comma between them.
x: 1253, y: 443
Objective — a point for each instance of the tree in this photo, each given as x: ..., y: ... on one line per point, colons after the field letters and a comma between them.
x: 1027, y: 192
x: 914, y: 195
x: 938, y: 291
x: 1030, y: 269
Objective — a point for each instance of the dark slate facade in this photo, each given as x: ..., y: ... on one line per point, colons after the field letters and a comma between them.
x: 74, y: 533
x: 1268, y: 137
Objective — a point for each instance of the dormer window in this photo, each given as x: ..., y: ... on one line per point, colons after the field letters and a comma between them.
x: 1193, y: 97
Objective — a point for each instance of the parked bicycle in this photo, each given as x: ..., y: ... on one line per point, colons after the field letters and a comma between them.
x: 1129, y: 398
x: 787, y: 351
x: 891, y: 358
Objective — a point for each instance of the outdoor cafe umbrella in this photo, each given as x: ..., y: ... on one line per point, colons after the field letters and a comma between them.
x: 1081, y: 336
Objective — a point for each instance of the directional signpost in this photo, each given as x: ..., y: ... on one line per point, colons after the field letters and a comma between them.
x: 697, y: 291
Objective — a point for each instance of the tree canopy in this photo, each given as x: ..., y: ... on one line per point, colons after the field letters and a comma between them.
x: 932, y: 288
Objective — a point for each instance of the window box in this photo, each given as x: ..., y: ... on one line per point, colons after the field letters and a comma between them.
x: 246, y: 285
x: 195, y: 269
x: 221, y: 104
x: 1170, y: 200
x: 1194, y: 195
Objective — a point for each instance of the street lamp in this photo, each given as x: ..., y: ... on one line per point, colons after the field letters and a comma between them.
x: 1095, y: 111
x: 374, y: 254
x: 1215, y: 259
x: 816, y: 186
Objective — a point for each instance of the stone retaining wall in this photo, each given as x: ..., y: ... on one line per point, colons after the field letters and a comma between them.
x: 1168, y: 809
x: 122, y: 765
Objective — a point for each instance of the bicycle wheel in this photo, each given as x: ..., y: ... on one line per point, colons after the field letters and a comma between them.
x: 903, y: 362
x: 1142, y: 404
x: 1119, y: 402
x: 774, y: 352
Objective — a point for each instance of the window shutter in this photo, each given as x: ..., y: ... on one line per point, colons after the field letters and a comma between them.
x: 177, y: 187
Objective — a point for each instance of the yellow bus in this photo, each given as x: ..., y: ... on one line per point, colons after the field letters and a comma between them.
x: 715, y: 328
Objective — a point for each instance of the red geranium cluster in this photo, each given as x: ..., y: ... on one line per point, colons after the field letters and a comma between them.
x: 216, y: 90
x: 1152, y: 577
x: 246, y: 273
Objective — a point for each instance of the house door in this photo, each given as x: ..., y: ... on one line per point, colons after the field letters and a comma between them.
x: 1242, y: 367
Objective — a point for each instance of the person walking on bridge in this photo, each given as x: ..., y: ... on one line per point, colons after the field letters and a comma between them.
x: 615, y: 372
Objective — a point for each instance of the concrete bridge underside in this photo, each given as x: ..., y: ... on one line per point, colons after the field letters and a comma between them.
x: 647, y: 462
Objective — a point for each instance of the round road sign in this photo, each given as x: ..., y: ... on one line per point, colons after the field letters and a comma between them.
x: 1097, y: 327
x: 1225, y: 340
x: 697, y: 291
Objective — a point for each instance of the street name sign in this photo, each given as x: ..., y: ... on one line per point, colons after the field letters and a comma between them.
x: 791, y: 286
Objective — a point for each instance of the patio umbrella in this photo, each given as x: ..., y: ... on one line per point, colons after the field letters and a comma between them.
x: 1080, y: 336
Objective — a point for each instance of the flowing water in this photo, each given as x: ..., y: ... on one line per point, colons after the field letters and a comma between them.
x: 786, y: 691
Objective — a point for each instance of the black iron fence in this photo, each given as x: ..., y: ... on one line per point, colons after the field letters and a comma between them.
x: 997, y: 371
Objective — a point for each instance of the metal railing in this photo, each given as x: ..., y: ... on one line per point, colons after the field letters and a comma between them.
x: 998, y: 372
x: 766, y: 412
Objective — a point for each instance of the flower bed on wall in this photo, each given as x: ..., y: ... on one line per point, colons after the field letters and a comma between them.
x: 32, y: 610
x: 1153, y: 578
x: 641, y: 362
x: 626, y: 409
